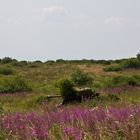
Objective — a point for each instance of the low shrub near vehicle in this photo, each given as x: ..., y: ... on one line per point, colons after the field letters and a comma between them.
x: 80, y: 78
x: 67, y: 90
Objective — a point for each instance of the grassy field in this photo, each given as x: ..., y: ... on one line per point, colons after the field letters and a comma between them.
x: 24, y: 87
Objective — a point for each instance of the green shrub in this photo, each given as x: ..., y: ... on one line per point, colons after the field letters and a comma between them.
x: 14, y: 84
x: 113, y: 68
x: 50, y: 62
x: 23, y: 62
x: 60, y: 61
x: 6, y: 71
x: 138, y: 56
x: 38, y: 61
x: 103, y: 62
x: 80, y: 78
x: 19, y: 64
x: 131, y: 63
x: 137, y: 77
x: 103, y: 81
x: 118, y: 80
x: 33, y: 65
x: 6, y: 60
x: 67, y: 90
x: 104, y: 100
x: 97, y: 84
x: 125, y: 80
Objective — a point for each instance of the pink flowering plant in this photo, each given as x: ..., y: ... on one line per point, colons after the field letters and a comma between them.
x: 75, y: 123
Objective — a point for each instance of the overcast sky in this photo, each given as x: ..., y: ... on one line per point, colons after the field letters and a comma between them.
x: 69, y: 29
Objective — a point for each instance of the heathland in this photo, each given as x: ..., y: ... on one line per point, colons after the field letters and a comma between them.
x: 26, y: 112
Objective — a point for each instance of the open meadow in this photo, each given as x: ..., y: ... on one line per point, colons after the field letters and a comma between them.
x: 26, y: 112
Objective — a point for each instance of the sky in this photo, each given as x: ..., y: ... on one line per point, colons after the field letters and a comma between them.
x: 69, y: 29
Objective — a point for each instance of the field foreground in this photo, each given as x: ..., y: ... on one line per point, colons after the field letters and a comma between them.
x: 74, y: 123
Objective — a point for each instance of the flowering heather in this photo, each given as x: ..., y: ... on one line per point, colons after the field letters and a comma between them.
x: 75, y: 123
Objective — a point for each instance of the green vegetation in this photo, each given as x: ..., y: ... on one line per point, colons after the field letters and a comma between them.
x: 6, y: 71
x: 113, y: 68
x: 125, y: 64
x: 13, y: 84
x: 138, y: 56
x: 80, y: 78
x: 41, y: 99
x: 126, y: 80
x: 67, y: 90
x: 132, y: 63
x: 6, y: 60
x: 39, y: 79
x: 26, y: 86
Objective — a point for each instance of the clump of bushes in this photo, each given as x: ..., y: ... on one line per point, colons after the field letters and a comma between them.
x: 80, y: 78
x: 6, y: 71
x: 124, y: 64
x: 67, y: 90
x: 68, y: 86
x: 132, y: 63
x: 14, y: 84
x: 6, y: 60
x: 116, y: 81
x: 126, y: 80
x: 103, y: 62
x: 138, y: 56
x: 104, y: 100
x: 113, y: 68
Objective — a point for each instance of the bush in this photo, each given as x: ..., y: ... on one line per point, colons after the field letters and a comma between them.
x: 14, y: 84
x: 67, y: 90
x: 6, y: 71
x: 80, y: 78
x: 113, y: 68
x: 33, y: 65
x: 138, y: 56
x: 137, y: 77
x: 60, y: 61
x: 126, y: 80
x: 50, y: 62
x: 38, y: 61
x: 132, y: 63
x: 103, y: 62
x: 6, y: 60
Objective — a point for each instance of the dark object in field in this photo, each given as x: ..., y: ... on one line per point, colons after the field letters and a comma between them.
x: 53, y: 96
x: 81, y: 94
x: 45, y: 99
